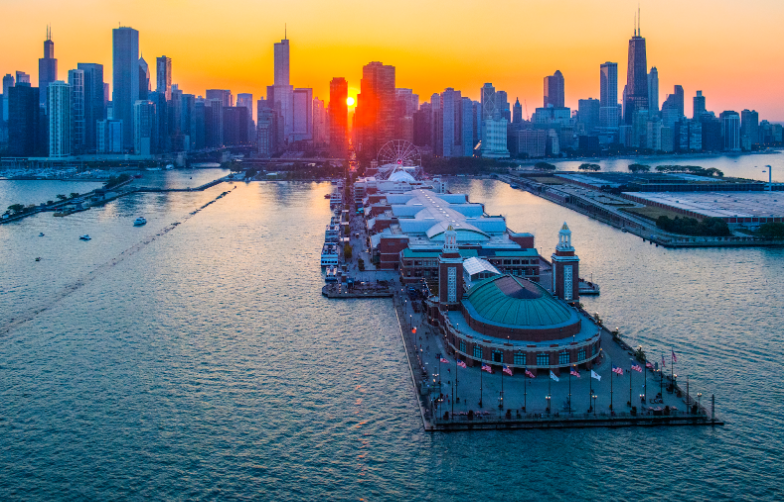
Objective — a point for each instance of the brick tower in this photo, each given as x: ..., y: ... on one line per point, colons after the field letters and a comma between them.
x: 566, y: 267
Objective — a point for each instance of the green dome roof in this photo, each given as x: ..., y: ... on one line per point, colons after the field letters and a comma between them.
x: 518, y: 303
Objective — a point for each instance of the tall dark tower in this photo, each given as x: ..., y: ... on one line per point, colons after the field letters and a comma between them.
x: 47, y: 67
x: 637, y: 76
x: 450, y: 271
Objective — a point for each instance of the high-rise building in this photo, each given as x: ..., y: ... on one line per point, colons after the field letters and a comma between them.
x: 423, y: 125
x: 749, y: 128
x: 8, y: 82
x: 554, y: 90
x: 699, y: 105
x: 125, y: 78
x: 94, y: 105
x: 730, y: 131
x: 653, y: 91
x: 267, y: 128
x: 338, y: 117
x: 302, y: 101
x: 494, y: 126
x: 109, y: 136
x: 245, y: 100
x: 224, y: 95
x: 451, y: 108
x: 320, y: 123
x: 235, y: 126
x: 502, y: 105
x: 47, y: 67
x: 159, y: 140
x: 145, y: 86
x: 143, y: 127
x: 26, y: 122
x: 588, y: 113
x: 608, y: 96
x: 78, y: 129
x: 374, y: 119
x: 213, y: 123
x: 59, y: 109
x: 636, y: 97
x: 517, y: 112
x: 488, y: 101
x: 282, y: 62
x: 163, y: 76
x: 467, y: 128
x: 22, y: 77
x: 672, y: 108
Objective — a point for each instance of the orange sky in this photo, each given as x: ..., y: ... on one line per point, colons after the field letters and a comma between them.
x: 726, y: 48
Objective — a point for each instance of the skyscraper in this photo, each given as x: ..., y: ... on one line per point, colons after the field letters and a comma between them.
x: 730, y: 131
x: 338, y: 117
x: 554, y: 90
x: 588, y: 114
x: 653, y: 91
x: 125, y: 78
x: 749, y: 128
x: 451, y: 108
x: 282, y: 62
x: 76, y: 81
x: 59, y: 116
x: 699, y: 105
x: 26, y: 122
x: 93, y: 102
x: 672, y: 108
x: 224, y: 95
x: 636, y: 77
x: 517, y: 112
x: 47, y: 67
x: 163, y: 77
x: 493, y: 134
x: 8, y: 82
x: 144, y: 127
x: 608, y: 96
x: 22, y: 77
x: 144, y: 79
x: 302, y: 102
x: 374, y: 118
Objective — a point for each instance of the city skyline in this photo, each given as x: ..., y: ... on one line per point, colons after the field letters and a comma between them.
x: 428, y: 59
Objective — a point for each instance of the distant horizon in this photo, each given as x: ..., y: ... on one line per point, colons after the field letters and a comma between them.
x: 734, y: 60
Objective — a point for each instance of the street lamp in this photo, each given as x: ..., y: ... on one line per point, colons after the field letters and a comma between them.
x: 594, y: 404
x: 699, y: 402
x: 548, y: 403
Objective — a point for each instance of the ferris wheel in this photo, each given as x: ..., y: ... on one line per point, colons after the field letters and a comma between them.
x: 399, y: 153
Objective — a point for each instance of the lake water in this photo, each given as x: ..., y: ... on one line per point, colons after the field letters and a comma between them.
x: 200, y: 362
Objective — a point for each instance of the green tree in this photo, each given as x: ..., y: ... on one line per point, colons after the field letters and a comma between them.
x: 16, y: 208
x: 544, y: 166
x: 347, y: 251
x: 589, y: 167
x: 61, y: 196
x: 772, y: 230
x: 639, y: 168
x: 74, y: 195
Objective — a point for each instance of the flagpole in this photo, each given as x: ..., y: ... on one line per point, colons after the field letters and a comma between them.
x: 570, y: 390
x: 630, y: 387
x: 590, y: 389
x: 454, y: 389
x: 611, y: 384
x: 549, y: 389
x: 480, y: 381
x: 661, y: 380
x: 502, y: 385
x: 525, y: 388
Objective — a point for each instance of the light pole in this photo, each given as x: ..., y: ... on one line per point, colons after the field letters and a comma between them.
x: 594, y: 404
x: 699, y: 402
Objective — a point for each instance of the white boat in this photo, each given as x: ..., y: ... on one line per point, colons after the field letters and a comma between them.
x: 329, y: 255
x: 139, y: 222
x: 169, y: 167
x: 85, y: 237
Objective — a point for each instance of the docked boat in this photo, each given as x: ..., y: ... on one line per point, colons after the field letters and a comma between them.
x: 588, y: 287
x: 332, y: 275
x: 85, y: 237
x: 139, y: 222
x: 329, y: 255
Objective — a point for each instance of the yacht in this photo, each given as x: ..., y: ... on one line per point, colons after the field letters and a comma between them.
x: 139, y: 222
x: 329, y: 255
x: 41, y: 234
x: 85, y: 237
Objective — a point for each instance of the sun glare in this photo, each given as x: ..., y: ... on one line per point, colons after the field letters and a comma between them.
x: 350, y: 101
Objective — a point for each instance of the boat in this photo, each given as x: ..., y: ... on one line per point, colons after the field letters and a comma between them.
x: 41, y: 234
x: 85, y: 237
x: 139, y: 222
x: 329, y: 255
x: 327, y: 195
x: 169, y: 167
x: 332, y: 275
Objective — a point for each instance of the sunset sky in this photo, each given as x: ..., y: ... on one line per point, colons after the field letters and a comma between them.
x: 728, y: 49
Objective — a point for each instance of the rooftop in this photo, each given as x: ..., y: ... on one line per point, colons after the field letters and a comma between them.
x: 720, y: 204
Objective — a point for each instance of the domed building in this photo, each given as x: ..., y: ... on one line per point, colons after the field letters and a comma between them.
x: 504, y: 319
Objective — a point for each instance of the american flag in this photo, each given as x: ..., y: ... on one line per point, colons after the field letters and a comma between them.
x: 554, y: 377
x: 574, y: 372
x: 487, y: 368
x: 529, y: 374
x: 637, y: 368
x: 674, y: 359
x: 507, y: 370
x: 443, y: 360
x: 462, y: 364
x: 617, y: 370
x: 649, y: 365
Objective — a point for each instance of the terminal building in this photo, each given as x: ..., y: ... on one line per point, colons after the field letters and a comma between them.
x: 487, y: 316
x: 407, y: 230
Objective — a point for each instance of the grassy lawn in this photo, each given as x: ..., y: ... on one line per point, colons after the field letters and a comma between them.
x: 652, y: 213
x: 548, y: 180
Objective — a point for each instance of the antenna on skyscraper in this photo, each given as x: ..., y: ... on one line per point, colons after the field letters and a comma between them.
x: 285, y: 32
x: 639, y: 24
x: 635, y: 25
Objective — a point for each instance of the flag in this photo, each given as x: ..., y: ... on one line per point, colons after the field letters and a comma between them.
x: 637, y: 368
x: 649, y: 365
x: 618, y: 371
x: 643, y: 386
x: 443, y: 360
x: 552, y: 375
x: 413, y: 330
x: 487, y: 368
x: 507, y: 370
x: 462, y: 364
x: 574, y: 372
x: 595, y: 375
x: 663, y: 364
x: 529, y: 374
x: 674, y: 359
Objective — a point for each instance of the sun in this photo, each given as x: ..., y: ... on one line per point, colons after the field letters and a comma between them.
x: 350, y: 101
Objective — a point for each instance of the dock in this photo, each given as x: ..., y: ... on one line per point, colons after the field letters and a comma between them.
x: 366, y: 290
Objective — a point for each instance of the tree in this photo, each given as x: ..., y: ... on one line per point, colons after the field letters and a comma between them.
x: 544, y: 166
x: 16, y: 208
x: 347, y: 251
x: 772, y: 230
x: 50, y: 202
x: 74, y: 195
x: 639, y: 168
x: 589, y: 167
x: 711, y: 227
x: 361, y: 264
x: 61, y: 196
